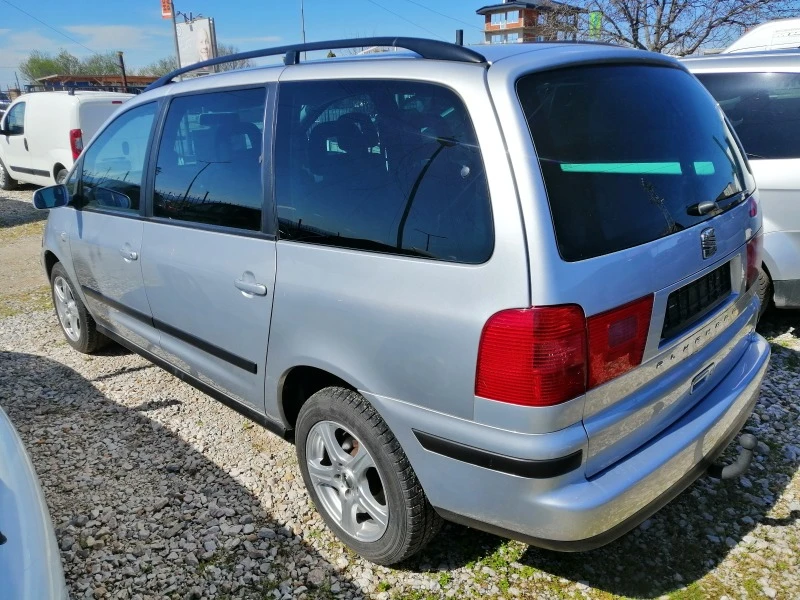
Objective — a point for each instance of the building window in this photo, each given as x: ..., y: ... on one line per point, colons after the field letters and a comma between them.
x: 512, y: 16
x: 512, y: 38
x: 497, y: 18
x: 497, y: 38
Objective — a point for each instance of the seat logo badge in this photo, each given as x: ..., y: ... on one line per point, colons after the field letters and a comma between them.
x: 708, y: 242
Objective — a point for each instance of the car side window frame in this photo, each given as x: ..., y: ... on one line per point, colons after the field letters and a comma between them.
x: 147, y: 174
x: 269, y: 218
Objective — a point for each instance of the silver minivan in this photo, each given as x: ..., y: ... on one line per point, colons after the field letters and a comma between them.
x: 760, y: 93
x: 511, y: 287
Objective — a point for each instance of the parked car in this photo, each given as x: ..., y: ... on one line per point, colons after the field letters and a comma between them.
x: 43, y: 133
x: 30, y: 563
x: 368, y: 255
x: 760, y: 94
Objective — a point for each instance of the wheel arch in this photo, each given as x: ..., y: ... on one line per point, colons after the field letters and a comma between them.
x: 301, y: 382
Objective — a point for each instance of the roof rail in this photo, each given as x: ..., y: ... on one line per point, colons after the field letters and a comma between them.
x: 432, y: 49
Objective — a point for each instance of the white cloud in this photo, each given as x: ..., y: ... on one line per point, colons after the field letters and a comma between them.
x: 4, y: 31
x: 105, y: 38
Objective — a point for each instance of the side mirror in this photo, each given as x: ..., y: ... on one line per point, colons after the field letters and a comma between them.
x: 51, y: 197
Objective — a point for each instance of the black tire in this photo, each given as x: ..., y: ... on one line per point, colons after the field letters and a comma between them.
x: 412, y: 522
x: 61, y: 175
x: 85, y: 338
x: 763, y: 291
x: 6, y: 182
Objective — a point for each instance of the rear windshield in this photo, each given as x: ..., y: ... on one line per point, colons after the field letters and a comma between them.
x: 627, y: 153
x: 764, y: 109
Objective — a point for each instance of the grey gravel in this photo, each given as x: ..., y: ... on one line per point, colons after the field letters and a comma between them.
x: 158, y: 491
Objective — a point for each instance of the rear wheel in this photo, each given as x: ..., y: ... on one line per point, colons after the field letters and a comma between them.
x: 76, y: 323
x: 61, y: 175
x: 360, y: 479
x: 6, y: 183
x: 763, y: 291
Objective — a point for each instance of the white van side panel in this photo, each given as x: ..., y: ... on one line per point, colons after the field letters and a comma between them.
x: 48, y: 119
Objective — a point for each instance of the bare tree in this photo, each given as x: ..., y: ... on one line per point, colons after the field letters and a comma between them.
x: 227, y: 50
x: 678, y: 27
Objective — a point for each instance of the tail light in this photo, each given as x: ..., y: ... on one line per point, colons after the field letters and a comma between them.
x: 617, y: 339
x: 544, y: 356
x: 755, y: 247
x: 75, y: 142
x: 752, y: 205
x: 533, y: 356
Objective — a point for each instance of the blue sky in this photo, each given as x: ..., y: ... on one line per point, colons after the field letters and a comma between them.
x: 136, y: 26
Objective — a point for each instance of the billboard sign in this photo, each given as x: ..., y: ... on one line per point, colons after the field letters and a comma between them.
x: 166, y: 9
x: 196, y: 41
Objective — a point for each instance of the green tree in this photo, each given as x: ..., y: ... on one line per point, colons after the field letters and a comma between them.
x: 41, y: 64
x: 160, y: 67
x: 100, y: 64
x: 227, y: 50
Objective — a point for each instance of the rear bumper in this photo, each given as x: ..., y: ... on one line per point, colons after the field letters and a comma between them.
x: 570, y: 511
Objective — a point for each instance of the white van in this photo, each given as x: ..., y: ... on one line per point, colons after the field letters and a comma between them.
x: 43, y: 133
x: 772, y: 35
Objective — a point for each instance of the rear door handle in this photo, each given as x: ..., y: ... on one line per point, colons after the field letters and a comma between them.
x: 25, y: 140
x: 257, y: 289
x: 128, y: 254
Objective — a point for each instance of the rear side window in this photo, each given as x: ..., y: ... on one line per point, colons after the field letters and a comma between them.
x: 385, y: 166
x: 764, y: 109
x: 209, y: 160
x: 627, y: 153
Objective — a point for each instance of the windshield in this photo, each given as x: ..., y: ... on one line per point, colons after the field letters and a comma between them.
x: 628, y: 153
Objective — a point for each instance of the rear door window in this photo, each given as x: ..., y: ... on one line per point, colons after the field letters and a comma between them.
x: 383, y: 166
x: 627, y: 153
x: 209, y: 160
x: 764, y: 109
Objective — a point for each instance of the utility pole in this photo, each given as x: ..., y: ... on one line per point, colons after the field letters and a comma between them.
x: 303, y: 24
x: 124, y: 76
x: 175, y: 35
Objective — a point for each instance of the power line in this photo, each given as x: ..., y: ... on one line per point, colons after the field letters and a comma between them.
x: 61, y: 33
x: 441, y: 14
x: 400, y: 17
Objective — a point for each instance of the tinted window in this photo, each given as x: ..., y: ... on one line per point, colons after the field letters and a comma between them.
x: 388, y: 166
x: 113, y: 165
x: 209, y: 160
x: 15, y: 121
x: 764, y: 109
x: 626, y: 153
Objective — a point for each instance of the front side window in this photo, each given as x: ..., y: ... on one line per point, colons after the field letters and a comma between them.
x: 113, y: 166
x: 384, y: 166
x: 764, y: 109
x: 627, y: 153
x: 15, y: 121
x: 209, y: 160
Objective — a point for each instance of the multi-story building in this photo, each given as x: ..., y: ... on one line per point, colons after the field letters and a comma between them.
x: 511, y: 21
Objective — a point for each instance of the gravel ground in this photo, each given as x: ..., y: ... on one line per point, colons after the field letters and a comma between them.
x: 157, y: 491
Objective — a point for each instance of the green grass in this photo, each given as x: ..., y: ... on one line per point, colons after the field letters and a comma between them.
x: 25, y: 302
x: 12, y: 234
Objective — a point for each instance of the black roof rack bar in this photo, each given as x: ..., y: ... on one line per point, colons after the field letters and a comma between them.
x: 432, y: 49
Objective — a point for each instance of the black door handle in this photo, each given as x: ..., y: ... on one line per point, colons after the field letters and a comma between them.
x: 26, y: 143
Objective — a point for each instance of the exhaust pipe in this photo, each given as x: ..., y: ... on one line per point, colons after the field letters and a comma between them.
x: 748, y: 443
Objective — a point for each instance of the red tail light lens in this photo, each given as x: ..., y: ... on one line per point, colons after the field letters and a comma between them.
x: 533, y: 356
x: 617, y: 339
x: 755, y: 248
x: 753, y: 206
x: 75, y: 142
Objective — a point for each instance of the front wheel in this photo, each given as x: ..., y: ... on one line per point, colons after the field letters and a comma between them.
x: 763, y: 291
x: 76, y: 323
x: 360, y: 479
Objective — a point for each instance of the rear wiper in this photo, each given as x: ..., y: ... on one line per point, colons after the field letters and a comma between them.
x: 702, y: 208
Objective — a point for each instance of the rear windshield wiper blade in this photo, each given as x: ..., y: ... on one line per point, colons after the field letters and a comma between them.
x: 702, y: 208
